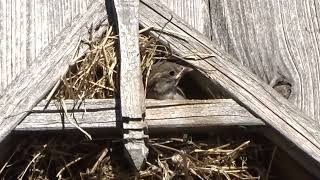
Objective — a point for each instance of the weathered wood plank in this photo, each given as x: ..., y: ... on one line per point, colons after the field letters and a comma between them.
x: 35, y: 25
x: 27, y: 27
x: 273, y: 39
x: 131, y: 87
x: 33, y: 84
x: 194, y: 12
x: 166, y: 114
x: 239, y: 82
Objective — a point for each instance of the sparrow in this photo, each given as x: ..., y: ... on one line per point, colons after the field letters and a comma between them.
x: 163, y: 81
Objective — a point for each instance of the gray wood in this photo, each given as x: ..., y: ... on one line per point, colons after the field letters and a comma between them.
x: 166, y: 114
x: 272, y: 43
x: 33, y: 84
x: 238, y: 81
x: 27, y: 27
x: 250, y: 31
x: 194, y: 12
x: 274, y: 38
x: 131, y: 87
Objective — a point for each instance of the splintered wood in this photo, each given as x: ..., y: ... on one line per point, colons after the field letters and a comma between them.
x: 131, y: 87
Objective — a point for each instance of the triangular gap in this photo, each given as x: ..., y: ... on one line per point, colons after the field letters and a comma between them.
x: 94, y: 75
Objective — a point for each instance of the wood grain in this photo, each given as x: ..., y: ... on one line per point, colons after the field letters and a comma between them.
x: 264, y: 36
x: 131, y: 87
x: 274, y: 38
x: 195, y: 12
x: 187, y: 115
x: 27, y: 27
x: 34, y: 83
x: 238, y: 81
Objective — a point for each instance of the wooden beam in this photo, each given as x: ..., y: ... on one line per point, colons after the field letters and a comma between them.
x: 184, y: 115
x: 131, y: 87
x: 239, y: 82
x: 34, y: 83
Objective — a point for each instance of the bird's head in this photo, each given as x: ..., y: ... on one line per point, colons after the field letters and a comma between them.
x: 165, y: 76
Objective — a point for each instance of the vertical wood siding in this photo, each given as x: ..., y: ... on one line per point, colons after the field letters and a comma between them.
x: 271, y: 38
x: 195, y: 12
x: 26, y: 27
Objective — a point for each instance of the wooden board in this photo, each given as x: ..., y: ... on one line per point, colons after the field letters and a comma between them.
x: 34, y: 83
x: 131, y: 87
x: 238, y: 81
x: 195, y: 12
x: 258, y: 34
x: 275, y: 40
x: 27, y: 27
x: 274, y: 44
x: 180, y: 115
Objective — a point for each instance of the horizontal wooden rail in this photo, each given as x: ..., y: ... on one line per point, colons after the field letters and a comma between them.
x: 103, y: 113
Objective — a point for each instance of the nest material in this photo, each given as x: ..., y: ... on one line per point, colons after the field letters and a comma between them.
x: 177, y: 158
x: 95, y: 73
x: 67, y: 157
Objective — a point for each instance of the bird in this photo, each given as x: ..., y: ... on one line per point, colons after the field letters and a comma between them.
x: 163, y: 81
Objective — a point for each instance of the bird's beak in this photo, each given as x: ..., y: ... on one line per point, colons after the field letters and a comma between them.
x: 183, y: 71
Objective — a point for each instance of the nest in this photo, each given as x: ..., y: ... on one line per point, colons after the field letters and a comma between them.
x: 177, y: 158
x: 72, y: 157
x: 94, y: 75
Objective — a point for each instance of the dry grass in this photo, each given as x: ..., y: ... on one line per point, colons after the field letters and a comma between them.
x: 67, y: 157
x: 193, y: 160
x: 95, y: 73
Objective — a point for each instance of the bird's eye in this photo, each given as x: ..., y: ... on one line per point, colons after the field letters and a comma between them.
x: 171, y: 73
